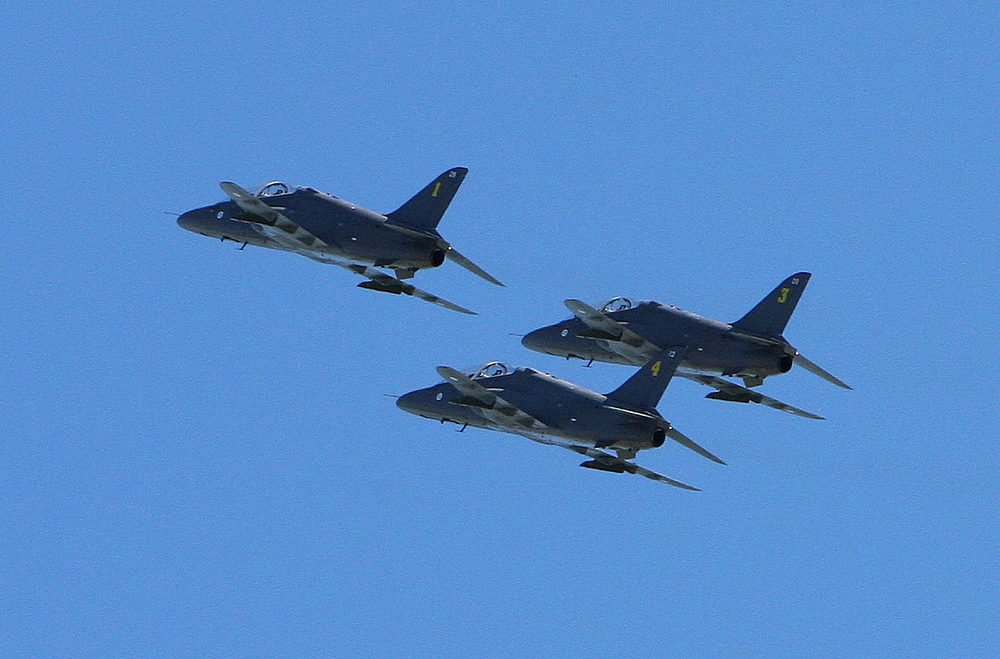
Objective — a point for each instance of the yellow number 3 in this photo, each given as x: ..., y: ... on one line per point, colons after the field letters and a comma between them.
x: 783, y: 296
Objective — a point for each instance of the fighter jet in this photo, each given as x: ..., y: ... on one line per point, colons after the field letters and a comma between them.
x: 752, y: 348
x: 330, y: 230
x: 543, y: 408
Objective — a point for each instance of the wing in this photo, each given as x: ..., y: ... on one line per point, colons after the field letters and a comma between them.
x: 381, y: 281
x: 295, y: 237
x: 733, y: 392
x: 606, y: 462
x: 493, y: 407
x: 298, y: 240
x: 620, y: 339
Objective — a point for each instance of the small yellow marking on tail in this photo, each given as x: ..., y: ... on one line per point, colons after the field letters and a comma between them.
x: 437, y: 187
x: 783, y: 296
x: 656, y: 370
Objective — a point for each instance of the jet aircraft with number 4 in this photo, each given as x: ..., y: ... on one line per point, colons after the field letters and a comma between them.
x: 545, y: 409
x: 751, y: 348
x: 331, y: 230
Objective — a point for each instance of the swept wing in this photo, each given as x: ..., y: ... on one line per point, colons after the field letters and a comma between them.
x: 620, y: 339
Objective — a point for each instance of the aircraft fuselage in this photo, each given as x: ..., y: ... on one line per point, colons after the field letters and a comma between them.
x: 351, y: 233
x: 713, y: 347
x: 570, y: 412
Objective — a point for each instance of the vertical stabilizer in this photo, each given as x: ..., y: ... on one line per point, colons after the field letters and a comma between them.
x: 771, y: 314
x: 644, y: 389
x: 426, y: 208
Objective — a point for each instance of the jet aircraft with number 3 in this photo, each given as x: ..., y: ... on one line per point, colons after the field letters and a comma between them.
x: 331, y: 230
x: 751, y: 348
x: 548, y: 410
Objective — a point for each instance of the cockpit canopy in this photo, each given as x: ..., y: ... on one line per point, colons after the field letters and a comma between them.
x: 490, y: 370
x: 617, y: 304
x: 276, y: 188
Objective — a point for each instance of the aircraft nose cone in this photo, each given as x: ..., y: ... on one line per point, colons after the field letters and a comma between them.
x: 538, y: 340
x: 188, y: 221
x: 414, y: 402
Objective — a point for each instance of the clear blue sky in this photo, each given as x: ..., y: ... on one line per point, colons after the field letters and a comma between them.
x: 198, y: 458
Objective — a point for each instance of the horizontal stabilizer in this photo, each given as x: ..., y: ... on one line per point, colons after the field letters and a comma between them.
x: 453, y: 254
x: 685, y: 441
x: 816, y: 370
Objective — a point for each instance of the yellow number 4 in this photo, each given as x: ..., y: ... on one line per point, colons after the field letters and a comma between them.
x: 656, y: 370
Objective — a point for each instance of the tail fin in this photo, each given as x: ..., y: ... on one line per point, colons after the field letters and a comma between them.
x: 425, y: 209
x: 644, y: 389
x: 771, y: 314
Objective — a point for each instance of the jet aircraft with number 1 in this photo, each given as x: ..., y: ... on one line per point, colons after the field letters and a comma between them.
x: 330, y: 230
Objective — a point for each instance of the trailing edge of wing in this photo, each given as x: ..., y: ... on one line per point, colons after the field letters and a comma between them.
x: 736, y: 393
x: 389, y: 284
x: 608, y: 462
x: 816, y: 370
x: 454, y: 255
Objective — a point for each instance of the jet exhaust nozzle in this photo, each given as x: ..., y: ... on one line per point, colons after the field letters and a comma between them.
x: 785, y: 363
x: 437, y: 257
x: 659, y: 436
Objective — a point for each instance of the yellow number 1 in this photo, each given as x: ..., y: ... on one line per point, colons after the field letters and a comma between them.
x: 437, y: 187
x: 783, y: 297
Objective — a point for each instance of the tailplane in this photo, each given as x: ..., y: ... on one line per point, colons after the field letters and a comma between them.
x: 771, y: 314
x: 426, y: 208
x: 644, y: 389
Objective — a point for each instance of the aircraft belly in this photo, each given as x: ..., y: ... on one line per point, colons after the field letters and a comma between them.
x: 731, y: 364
